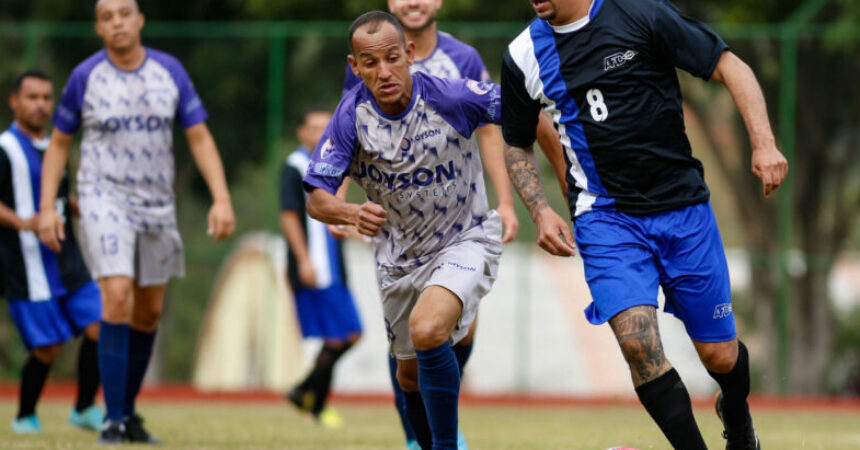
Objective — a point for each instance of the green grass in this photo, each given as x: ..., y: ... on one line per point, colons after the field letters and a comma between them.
x: 263, y: 426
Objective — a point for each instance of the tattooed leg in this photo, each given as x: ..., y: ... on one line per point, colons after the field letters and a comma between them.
x: 639, y: 338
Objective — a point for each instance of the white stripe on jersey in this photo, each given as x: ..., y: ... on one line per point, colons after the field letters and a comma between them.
x: 317, y: 232
x: 523, y: 54
x: 37, y: 279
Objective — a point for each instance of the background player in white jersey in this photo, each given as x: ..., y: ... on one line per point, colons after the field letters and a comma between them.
x: 127, y: 98
x: 408, y: 140
x: 317, y: 275
x: 51, y: 296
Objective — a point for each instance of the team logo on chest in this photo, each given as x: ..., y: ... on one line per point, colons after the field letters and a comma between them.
x: 616, y: 60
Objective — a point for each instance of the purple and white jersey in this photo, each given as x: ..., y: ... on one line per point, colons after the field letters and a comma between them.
x: 422, y: 166
x: 450, y: 59
x: 127, y: 145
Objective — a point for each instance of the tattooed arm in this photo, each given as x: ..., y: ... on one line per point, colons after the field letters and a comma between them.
x: 554, y: 235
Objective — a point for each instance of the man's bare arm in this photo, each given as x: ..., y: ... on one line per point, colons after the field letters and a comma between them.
x: 327, y: 208
x: 554, y: 235
x: 768, y: 163
x: 10, y: 219
x: 491, y: 144
x: 221, y: 221
x: 550, y: 144
x: 51, y: 229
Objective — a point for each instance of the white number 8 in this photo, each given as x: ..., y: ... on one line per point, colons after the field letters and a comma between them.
x: 599, y: 111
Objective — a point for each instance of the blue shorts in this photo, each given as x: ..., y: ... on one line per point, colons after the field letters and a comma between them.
x: 627, y: 257
x: 327, y: 313
x: 59, y: 319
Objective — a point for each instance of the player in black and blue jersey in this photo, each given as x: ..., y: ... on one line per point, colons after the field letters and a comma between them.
x: 51, y: 295
x: 606, y: 71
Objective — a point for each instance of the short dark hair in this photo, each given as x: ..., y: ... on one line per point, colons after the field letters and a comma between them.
x: 31, y: 73
x: 374, y: 18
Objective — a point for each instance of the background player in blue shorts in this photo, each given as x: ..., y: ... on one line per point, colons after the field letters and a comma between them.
x: 606, y: 71
x: 317, y: 276
x: 126, y: 99
x: 51, y: 296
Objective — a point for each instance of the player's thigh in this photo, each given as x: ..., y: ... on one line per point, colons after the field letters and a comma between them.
x: 434, y: 317
x: 107, y: 242
x: 468, y: 270
x: 160, y: 257
x: 695, y: 275
x: 620, y: 266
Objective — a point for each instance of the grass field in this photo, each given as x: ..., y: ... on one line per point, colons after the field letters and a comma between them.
x: 223, y: 425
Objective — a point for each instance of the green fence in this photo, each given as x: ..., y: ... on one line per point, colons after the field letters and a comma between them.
x: 256, y: 78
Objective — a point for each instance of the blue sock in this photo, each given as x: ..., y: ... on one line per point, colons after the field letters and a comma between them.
x: 113, y: 366
x: 462, y: 351
x: 139, y: 353
x: 439, y: 381
x: 400, y: 399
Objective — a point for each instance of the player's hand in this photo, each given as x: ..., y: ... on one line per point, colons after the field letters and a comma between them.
x: 338, y: 231
x: 369, y: 218
x: 307, y: 274
x: 770, y: 167
x: 510, y: 223
x: 554, y: 235
x: 221, y: 220
x: 51, y: 229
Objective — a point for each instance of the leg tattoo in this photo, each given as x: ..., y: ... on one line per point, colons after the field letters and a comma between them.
x: 639, y: 338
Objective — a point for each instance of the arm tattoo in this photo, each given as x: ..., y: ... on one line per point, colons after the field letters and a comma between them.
x: 639, y: 338
x: 524, y: 174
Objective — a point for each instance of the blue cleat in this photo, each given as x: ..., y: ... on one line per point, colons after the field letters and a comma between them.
x: 412, y: 445
x: 461, y: 441
x: 88, y: 419
x: 27, y: 425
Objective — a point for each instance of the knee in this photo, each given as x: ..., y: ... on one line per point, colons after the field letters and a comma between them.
x: 117, y: 303
x: 719, y: 358
x: 47, y: 354
x: 407, y: 378
x: 427, y: 332
x: 146, y: 316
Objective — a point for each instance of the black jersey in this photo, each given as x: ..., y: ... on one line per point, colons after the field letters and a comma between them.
x: 609, y: 81
x: 30, y: 270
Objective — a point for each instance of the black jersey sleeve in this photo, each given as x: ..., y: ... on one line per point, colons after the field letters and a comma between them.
x: 685, y: 42
x: 519, y: 111
x: 5, y: 170
x: 292, y: 192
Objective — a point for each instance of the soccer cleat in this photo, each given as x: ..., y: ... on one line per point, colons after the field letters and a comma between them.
x: 135, y: 432
x: 741, y: 439
x: 329, y: 418
x: 303, y: 400
x: 412, y: 445
x: 27, y: 425
x: 113, y: 432
x: 88, y: 419
x: 461, y: 441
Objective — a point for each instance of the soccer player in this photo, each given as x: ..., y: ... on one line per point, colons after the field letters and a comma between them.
x: 51, y: 296
x: 317, y: 276
x: 606, y: 69
x: 127, y: 98
x: 439, y: 54
x: 408, y: 140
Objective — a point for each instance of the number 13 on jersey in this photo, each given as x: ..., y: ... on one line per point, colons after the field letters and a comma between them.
x: 599, y: 111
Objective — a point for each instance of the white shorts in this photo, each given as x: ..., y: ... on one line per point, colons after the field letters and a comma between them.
x: 115, y: 248
x: 467, y: 268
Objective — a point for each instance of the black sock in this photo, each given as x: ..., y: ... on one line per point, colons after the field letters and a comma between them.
x: 33, y: 376
x: 417, y: 415
x: 320, y: 378
x: 736, y: 388
x: 88, y: 374
x: 668, y: 403
x: 462, y: 352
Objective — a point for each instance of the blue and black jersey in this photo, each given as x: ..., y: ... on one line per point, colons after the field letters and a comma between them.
x: 610, y: 84
x: 28, y: 269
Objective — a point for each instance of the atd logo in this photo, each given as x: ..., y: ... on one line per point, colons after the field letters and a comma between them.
x: 722, y: 310
x: 617, y: 60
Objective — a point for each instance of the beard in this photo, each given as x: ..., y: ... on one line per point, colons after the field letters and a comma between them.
x: 430, y: 21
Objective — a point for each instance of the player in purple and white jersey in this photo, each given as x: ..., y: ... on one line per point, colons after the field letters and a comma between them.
x: 408, y: 140
x: 126, y: 98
